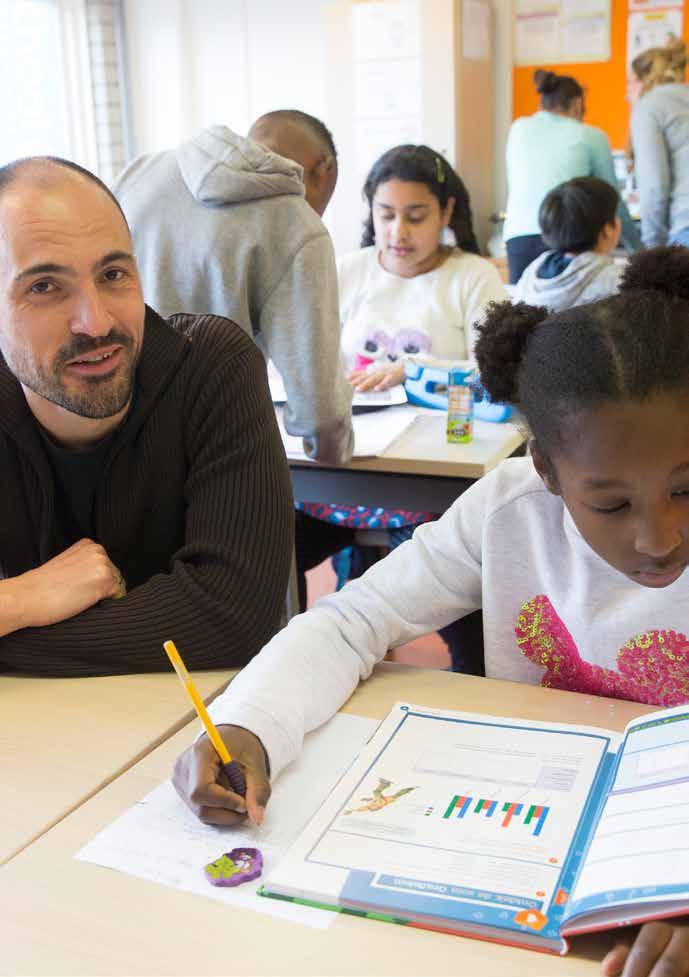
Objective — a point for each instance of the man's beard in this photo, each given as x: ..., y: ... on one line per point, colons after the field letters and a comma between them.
x: 94, y: 397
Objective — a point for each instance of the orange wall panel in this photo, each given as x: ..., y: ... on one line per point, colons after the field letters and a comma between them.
x: 604, y: 82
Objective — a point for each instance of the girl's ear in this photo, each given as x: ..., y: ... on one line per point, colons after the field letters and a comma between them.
x: 545, y: 469
x: 449, y: 211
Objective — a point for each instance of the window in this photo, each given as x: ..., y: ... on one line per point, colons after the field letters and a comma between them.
x: 60, y: 91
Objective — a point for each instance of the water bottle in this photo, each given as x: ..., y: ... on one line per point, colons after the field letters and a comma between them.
x: 460, y: 405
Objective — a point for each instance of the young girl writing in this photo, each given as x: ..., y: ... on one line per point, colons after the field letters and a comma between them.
x: 404, y: 293
x: 577, y: 555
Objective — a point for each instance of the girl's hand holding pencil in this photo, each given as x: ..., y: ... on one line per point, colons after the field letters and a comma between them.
x: 201, y: 782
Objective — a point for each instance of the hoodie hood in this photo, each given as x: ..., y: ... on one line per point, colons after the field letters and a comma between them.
x: 220, y: 167
x: 588, y: 276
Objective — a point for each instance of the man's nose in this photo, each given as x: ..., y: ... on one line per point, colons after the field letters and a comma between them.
x: 90, y: 314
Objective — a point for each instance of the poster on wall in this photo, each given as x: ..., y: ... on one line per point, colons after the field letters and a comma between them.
x: 651, y: 28
x: 635, y: 5
x: 387, y: 90
x: 561, y: 31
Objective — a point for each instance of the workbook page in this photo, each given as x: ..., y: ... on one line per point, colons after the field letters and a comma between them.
x: 458, y: 815
x: 639, y: 851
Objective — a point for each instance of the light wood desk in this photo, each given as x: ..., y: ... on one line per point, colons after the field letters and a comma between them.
x: 420, y: 471
x: 61, y: 916
x: 61, y: 740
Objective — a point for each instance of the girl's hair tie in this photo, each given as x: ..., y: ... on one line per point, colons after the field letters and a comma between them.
x: 439, y: 171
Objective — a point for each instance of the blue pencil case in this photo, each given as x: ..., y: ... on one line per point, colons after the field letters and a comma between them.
x: 426, y: 385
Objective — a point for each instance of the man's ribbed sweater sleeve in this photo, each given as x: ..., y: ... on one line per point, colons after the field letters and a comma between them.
x: 223, y: 592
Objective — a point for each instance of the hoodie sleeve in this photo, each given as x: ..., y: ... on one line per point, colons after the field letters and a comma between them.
x: 301, y: 330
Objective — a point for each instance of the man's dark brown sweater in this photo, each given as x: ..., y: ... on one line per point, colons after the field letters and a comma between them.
x: 193, y: 505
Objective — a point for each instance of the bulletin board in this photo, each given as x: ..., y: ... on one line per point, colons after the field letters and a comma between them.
x: 604, y: 82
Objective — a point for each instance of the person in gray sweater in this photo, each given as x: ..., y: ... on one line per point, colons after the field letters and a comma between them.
x: 660, y: 140
x: 221, y: 226
x: 579, y: 224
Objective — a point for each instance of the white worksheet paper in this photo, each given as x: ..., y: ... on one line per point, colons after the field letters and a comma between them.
x: 373, y: 433
x: 394, y: 396
x: 159, y: 839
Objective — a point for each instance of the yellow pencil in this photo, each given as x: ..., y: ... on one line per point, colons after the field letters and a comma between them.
x: 230, y: 766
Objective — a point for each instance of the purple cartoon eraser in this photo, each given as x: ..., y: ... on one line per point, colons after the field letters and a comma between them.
x: 235, y: 867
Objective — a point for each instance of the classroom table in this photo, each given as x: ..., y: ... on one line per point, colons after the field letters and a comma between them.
x: 61, y: 740
x: 62, y: 916
x: 420, y: 471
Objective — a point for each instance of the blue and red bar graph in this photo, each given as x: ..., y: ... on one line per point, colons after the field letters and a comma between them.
x: 535, y: 815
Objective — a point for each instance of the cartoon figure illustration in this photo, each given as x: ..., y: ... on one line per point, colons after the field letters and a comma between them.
x: 235, y: 867
x: 379, y: 347
x: 653, y: 667
x: 379, y: 800
x: 409, y: 342
x: 374, y: 349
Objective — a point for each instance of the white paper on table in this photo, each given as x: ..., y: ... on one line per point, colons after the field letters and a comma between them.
x: 373, y: 433
x: 392, y: 397
x: 159, y: 839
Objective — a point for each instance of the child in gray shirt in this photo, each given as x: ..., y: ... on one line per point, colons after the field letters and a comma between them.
x: 580, y: 226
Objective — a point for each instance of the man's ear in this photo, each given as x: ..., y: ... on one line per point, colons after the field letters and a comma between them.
x: 545, y: 468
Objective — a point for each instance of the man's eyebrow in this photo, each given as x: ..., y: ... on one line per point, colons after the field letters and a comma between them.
x: 113, y: 256
x: 52, y: 268
x: 47, y: 268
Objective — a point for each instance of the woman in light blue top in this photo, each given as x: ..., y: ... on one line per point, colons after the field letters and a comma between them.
x: 544, y: 150
x: 660, y: 138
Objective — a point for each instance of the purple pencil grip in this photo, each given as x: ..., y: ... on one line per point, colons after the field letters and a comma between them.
x: 235, y: 777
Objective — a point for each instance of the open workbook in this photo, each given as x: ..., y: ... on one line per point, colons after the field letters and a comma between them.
x: 507, y: 830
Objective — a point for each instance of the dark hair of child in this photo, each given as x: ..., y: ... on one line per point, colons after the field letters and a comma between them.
x: 627, y: 347
x: 573, y: 214
x: 557, y: 91
x: 420, y: 164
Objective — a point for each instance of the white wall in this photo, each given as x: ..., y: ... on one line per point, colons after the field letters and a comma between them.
x: 194, y: 63
x: 503, y: 14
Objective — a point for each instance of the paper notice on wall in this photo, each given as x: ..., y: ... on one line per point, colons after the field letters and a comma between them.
x: 475, y: 30
x: 635, y: 5
x: 586, y: 38
x: 557, y: 31
x: 388, y: 89
x: 537, y: 36
x: 385, y: 30
x: 651, y: 28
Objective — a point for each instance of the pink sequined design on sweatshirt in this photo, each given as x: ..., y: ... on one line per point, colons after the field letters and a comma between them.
x: 653, y: 667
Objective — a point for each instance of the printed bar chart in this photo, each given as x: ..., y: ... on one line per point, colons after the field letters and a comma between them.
x: 535, y: 815
x: 511, y: 808
x: 459, y: 803
x: 487, y: 806
x: 538, y: 812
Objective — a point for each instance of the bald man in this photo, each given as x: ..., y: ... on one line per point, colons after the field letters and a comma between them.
x: 304, y: 139
x: 145, y: 492
x: 221, y: 225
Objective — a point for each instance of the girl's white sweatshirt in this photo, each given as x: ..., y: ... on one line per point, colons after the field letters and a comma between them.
x: 554, y: 613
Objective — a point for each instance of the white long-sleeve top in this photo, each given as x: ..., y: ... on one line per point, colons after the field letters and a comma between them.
x: 554, y: 613
x: 384, y: 316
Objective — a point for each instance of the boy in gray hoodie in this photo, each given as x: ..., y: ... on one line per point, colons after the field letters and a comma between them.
x: 580, y: 226
x: 221, y: 226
